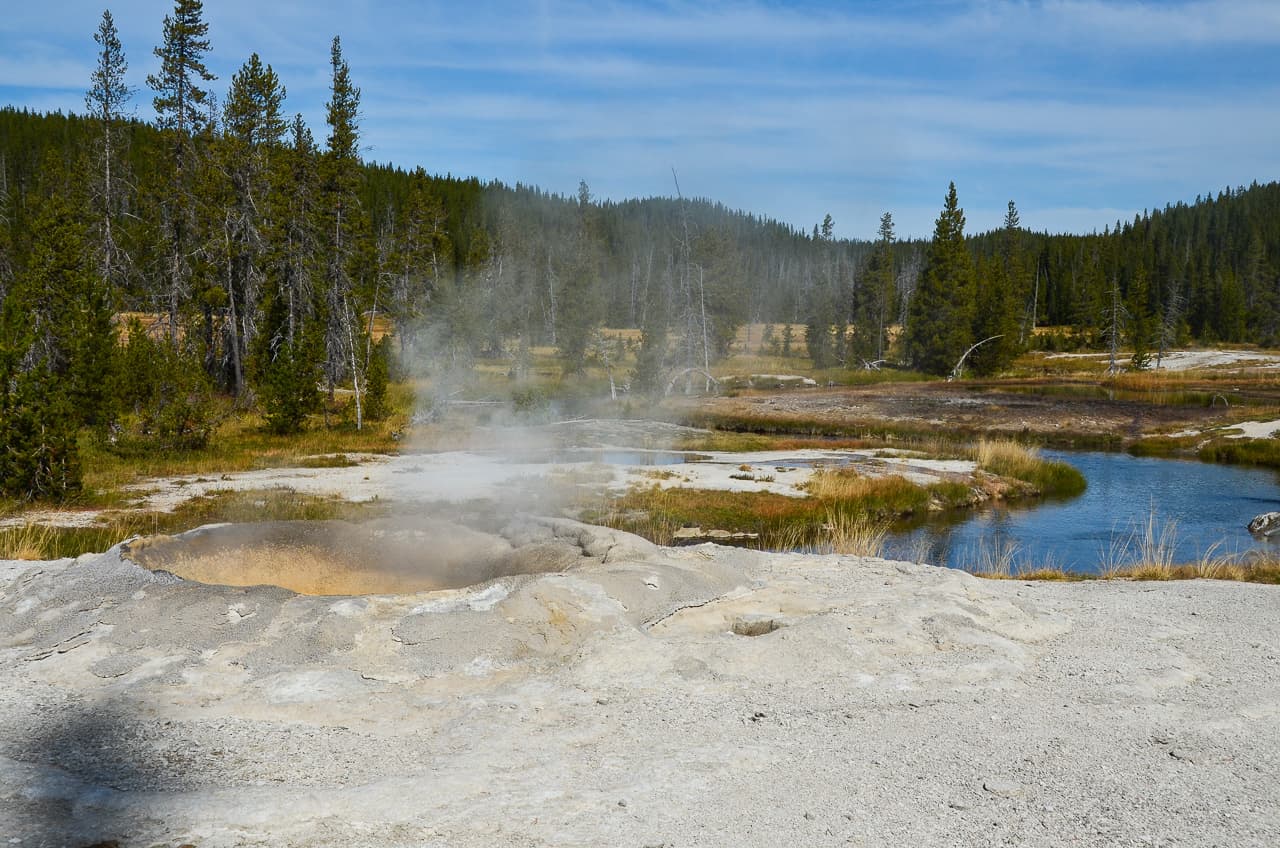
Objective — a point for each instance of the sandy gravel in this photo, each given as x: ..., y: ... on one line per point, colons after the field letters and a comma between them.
x: 622, y: 703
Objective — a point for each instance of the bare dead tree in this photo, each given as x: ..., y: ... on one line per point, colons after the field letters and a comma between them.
x: 958, y: 371
x: 1117, y: 317
x: 1169, y: 321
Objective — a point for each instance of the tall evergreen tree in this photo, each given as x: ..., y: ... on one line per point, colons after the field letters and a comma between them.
x: 6, y: 234
x: 106, y: 99
x: 581, y: 308
x: 67, y: 309
x: 941, y: 312
x: 251, y: 142
x: 180, y: 103
x: 874, y: 300
x: 288, y: 349
x: 343, y: 233
x: 180, y: 100
x: 1142, y: 321
x: 56, y: 352
x: 999, y: 301
x: 419, y: 262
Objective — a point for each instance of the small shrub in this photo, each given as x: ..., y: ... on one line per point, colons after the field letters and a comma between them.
x: 170, y: 394
x: 286, y: 378
x: 530, y: 400
x: 377, y: 405
x: 39, y: 452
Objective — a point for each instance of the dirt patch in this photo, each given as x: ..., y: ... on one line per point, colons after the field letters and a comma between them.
x: 1023, y: 407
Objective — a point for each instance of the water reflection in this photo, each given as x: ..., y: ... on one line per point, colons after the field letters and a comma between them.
x: 1208, y: 504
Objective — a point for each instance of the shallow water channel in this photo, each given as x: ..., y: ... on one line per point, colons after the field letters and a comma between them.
x: 1201, y: 504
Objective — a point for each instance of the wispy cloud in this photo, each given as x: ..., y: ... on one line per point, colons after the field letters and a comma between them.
x: 1075, y: 108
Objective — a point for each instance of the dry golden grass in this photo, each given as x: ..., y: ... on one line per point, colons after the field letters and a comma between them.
x: 788, y: 537
x: 996, y: 561
x: 1006, y: 455
x: 843, y: 484
x: 26, y: 542
x: 1155, y: 544
x: 855, y: 535
x: 1048, y: 573
x: 1008, y: 458
x: 32, y: 541
x: 1147, y: 553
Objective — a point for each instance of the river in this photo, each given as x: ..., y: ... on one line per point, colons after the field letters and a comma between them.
x: 1198, y: 504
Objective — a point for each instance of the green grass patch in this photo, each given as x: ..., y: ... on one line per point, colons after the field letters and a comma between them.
x: 1161, y: 446
x: 1264, y: 452
x: 883, y: 432
x: 839, y: 499
x: 335, y: 460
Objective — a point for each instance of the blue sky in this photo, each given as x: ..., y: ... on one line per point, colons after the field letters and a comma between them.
x: 1082, y: 111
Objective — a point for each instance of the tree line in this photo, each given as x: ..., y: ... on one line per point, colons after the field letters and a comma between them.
x: 146, y: 267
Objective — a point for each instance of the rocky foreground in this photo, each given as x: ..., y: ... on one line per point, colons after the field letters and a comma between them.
x: 640, y: 697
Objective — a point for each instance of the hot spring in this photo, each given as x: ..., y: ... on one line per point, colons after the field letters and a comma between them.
x: 384, y: 556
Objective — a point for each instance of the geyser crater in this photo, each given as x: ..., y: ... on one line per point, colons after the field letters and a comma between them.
x: 401, y: 555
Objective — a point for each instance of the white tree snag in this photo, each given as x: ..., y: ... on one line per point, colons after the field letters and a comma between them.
x: 686, y: 371
x: 959, y: 369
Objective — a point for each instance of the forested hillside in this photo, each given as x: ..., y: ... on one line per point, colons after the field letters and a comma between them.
x: 238, y: 254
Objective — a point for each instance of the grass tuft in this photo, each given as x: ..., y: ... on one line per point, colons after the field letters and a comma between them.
x: 855, y: 535
x: 27, y: 541
x: 1007, y: 458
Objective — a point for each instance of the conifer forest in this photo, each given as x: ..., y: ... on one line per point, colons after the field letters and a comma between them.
x: 226, y: 252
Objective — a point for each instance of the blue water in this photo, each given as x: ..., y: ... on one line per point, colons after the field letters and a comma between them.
x: 1209, y: 504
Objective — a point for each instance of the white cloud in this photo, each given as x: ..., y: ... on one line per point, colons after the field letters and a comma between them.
x: 785, y: 111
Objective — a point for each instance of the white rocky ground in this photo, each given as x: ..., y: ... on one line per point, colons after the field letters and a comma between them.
x: 459, y: 476
x: 1194, y: 360
x: 624, y: 702
x: 466, y: 475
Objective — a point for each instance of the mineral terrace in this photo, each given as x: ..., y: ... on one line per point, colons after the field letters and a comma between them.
x: 635, y: 696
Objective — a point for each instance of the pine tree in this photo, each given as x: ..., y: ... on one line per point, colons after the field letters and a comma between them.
x: 999, y: 298
x: 106, y: 100
x: 39, y: 458
x: 377, y: 400
x: 6, y: 234
x: 1231, y: 312
x: 251, y: 142
x: 287, y: 351
x: 295, y: 257
x: 818, y: 323
x: 344, y: 226
x: 873, y: 300
x: 67, y: 309
x: 581, y: 309
x: 941, y: 311
x: 1262, y: 295
x: 1142, y: 321
x: 179, y: 99
x: 56, y: 346
x: 286, y: 366
x: 419, y: 261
